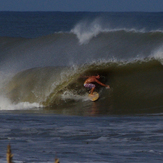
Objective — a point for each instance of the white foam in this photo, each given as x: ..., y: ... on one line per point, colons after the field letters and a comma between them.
x: 70, y: 95
x: 158, y: 54
x: 86, y: 30
x: 6, y: 104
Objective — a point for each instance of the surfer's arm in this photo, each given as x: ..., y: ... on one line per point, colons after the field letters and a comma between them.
x: 102, y: 84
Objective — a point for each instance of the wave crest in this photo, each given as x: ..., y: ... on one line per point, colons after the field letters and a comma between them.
x: 86, y: 30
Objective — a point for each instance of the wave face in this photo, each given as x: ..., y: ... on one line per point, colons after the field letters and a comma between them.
x: 48, y: 70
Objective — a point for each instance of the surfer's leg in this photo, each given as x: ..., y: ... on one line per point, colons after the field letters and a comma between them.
x: 92, y: 90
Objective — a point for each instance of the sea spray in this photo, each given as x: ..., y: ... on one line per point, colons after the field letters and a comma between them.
x: 86, y: 30
x: 158, y: 54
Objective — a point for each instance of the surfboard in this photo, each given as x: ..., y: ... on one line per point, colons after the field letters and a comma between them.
x: 93, y: 97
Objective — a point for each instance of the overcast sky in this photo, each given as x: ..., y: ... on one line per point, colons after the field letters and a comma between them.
x: 82, y: 5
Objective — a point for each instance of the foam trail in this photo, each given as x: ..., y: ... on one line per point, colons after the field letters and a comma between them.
x: 70, y: 95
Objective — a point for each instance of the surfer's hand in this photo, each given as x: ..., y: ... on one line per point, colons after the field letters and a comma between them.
x: 108, y: 87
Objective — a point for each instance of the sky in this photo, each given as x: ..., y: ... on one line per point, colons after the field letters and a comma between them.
x: 82, y: 5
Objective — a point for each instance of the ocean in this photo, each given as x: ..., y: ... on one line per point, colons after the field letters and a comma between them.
x: 45, y: 111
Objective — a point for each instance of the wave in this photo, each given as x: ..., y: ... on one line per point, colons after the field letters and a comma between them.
x: 87, y: 29
x: 62, y: 49
x: 134, y: 85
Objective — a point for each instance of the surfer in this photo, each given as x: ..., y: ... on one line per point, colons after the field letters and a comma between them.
x: 92, y: 79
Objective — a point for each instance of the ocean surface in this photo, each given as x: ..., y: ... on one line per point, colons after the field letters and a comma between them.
x: 44, y: 108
